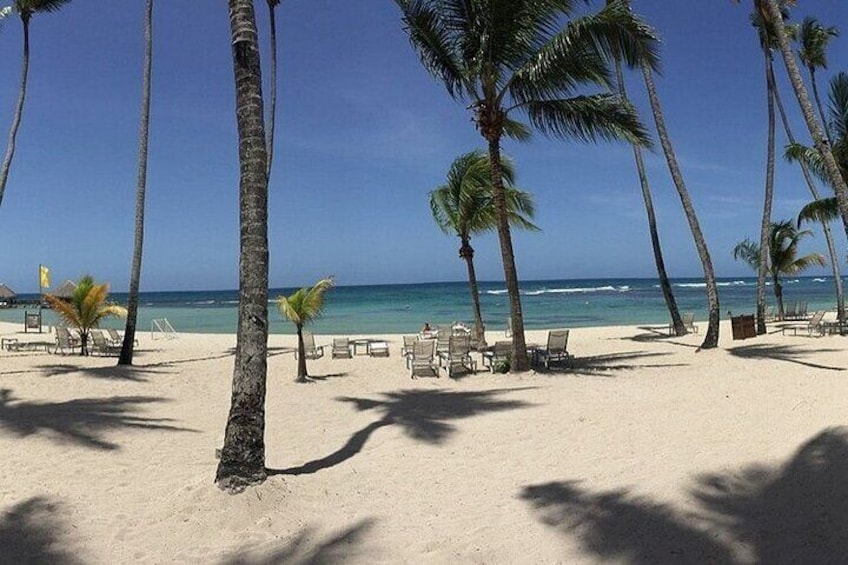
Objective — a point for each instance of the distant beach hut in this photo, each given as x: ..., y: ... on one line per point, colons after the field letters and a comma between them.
x: 65, y: 290
x: 7, y: 296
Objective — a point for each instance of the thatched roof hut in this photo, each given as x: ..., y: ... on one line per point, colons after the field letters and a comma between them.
x: 7, y: 295
x: 65, y: 290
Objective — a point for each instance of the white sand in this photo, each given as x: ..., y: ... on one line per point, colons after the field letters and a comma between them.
x: 646, y: 451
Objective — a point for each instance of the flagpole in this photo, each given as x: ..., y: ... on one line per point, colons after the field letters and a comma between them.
x: 40, y: 296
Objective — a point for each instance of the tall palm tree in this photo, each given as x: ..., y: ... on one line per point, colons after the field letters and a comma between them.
x: 819, y: 141
x: 303, y: 306
x: 86, y: 308
x: 243, y: 455
x: 781, y: 258
x: 465, y: 206
x: 712, y: 333
x: 25, y: 9
x: 811, y: 185
x: 272, y: 105
x: 127, y: 348
x: 506, y: 57
x: 813, y: 38
x: 665, y: 284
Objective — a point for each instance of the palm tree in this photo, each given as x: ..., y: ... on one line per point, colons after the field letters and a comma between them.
x: 127, y: 348
x: 662, y: 275
x: 465, y: 206
x: 782, y: 257
x: 272, y: 105
x: 820, y: 142
x: 86, y: 309
x: 25, y: 9
x: 302, y: 307
x: 506, y: 57
x: 243, y: 455
x: 712, y: 333
x: 814, y: 38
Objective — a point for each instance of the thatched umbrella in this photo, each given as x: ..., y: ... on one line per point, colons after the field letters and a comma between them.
x: 7, y: 295
x: 65, y: 290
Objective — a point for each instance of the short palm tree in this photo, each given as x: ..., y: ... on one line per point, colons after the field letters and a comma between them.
x: 465, y: 206
x: 531, y: 57
x: 86, y: 309
x: 813, y: 38
x: 25, y: 9
x: 782, y: 258
x: 302, y: 307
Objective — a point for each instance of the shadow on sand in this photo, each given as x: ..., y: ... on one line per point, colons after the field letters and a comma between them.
x: 28, y: 534
x: 786, y: 353
x: 656, y: 334
x: 82, y: 421
x: 795, y: 513
x: 304, y: 549
x: 424, y: 415
x: 608, y: 364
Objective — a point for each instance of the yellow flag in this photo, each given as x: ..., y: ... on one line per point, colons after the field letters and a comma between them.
x: 44, y: 276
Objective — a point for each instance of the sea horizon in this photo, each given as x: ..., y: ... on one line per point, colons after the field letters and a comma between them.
x: 404, y: 308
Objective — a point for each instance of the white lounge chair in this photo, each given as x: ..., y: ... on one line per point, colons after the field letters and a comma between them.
x: 556, y: 349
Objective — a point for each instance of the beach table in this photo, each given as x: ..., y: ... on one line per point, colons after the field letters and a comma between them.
x: 8, y: 343
x: 361, y: 343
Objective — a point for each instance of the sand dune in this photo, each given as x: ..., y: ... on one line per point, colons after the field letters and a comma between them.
x: 645, y: 451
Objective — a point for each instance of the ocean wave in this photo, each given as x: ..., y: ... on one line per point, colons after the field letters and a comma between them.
x: 704, y: 285
x: 819, y: 280
x: 623, y: 288
x: 202, y: 302
x: 496, y: 292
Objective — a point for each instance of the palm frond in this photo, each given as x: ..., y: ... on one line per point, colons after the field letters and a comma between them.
x: 588, y: 118
x: 823, y: 210
x: 803, y: 263
x: 305, y: 304
x: 838, y: 106
x: 749, y: 252
x: 39, y: 6
x: 814, y: 38
x: 809, y: 156
x: 516, y: 130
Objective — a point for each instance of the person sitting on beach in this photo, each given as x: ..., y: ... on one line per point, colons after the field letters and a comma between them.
x: 426, y: 328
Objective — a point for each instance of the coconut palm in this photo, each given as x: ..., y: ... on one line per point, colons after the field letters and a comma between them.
x: 86, y: 309
x: 508, y: 57
x: 272, y: 104
x: 782, y: 257
x: 25, y: 9
x: 813, y: 38
x: 303, y: 307
x: 819, y: 141
x: 127, y: 348
x: 712, y: 333
x: 465, y: 206
x: 242, y: 460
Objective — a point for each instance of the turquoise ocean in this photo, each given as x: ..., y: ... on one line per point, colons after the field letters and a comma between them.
x: 403, y: 308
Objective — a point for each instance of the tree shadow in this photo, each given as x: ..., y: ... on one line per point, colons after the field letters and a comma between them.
x: 656, y: 334
x: 786, y: 353
x: 81, y: 421
x: 134, y: 373
x: 328, y: 376
x: 795, y: 513
x: 608, y: 363
x: 424, y: 415
x: 304, y: 550
x: 28, y: 534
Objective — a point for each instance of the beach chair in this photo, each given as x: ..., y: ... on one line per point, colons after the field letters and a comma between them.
x: 689, y: 322
x: 508, y: 330
x: 498, y: 353
x: 814, y: 326
x: 409, y: 342
x: 341, y: 348
x: 769, y: 315
x: 421, y: 361
x: 378, y: 348
x: 556, y: 349
x: 443, y: 339
x: 100, y: 345
x: 64, y: 341
x: 310, y: 351
x: 802, y: 310
x: 458, y: 355
x: 789, y: 313
x: 115, y: 338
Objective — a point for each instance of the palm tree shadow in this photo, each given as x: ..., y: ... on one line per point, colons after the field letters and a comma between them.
x: 795, y: 513
x: 28, y: 534
x: 303, y: 550
x: 424, y: 415
x: 134, y: 373
x: 654, y: 334
x: 606, y: 364
x: 786, y: 353
x: 81, y: 421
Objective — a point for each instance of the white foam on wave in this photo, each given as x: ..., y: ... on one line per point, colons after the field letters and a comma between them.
x: 578, y: 290
x: 496, y: 292
x: 819, y: 280
x: 704, y: 285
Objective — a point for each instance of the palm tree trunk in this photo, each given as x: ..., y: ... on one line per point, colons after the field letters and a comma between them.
x: 819, y: 105
x: 820, y: 142
x: 467, y: 253
x: 302, y: 375
x: 520, y: 362
x: 19, y: 110
x: 765, y: 225
x: 711, y: 336
x: 665, y: 284
x: 126, y: 357
x: 243, y: 455
x: 778, y: 295
x: 272, y: 106
x: 828, y: 234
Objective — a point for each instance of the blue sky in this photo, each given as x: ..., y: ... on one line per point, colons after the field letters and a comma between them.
x: 363, y: 134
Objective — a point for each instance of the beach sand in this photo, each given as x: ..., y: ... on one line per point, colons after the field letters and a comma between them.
x: 645, y: 451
